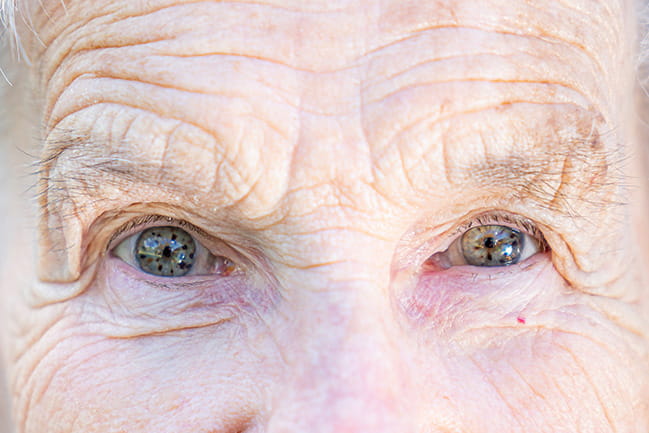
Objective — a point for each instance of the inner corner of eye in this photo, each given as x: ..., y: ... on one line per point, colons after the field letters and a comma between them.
x: 439, y: 261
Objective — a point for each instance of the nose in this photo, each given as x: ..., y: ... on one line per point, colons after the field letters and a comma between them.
x: 347, y: 370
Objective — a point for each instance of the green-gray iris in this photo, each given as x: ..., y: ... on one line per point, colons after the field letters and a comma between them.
x: 492, y: 245
x: 165, y: 251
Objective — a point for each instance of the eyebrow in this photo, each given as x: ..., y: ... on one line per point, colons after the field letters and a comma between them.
x: 582, y: 171
x: 576, y: 178
x: 91, y: 158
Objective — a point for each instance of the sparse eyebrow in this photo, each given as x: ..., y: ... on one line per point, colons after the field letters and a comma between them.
x: 571, y: 176
x: 91, y: 163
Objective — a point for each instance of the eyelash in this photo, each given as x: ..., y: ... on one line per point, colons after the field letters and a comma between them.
x: 143, y: 222
x: 497, y: 217
x: 505, y: 219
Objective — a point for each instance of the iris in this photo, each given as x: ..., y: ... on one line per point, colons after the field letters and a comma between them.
x: 492, y: 245
x: 165, y: 251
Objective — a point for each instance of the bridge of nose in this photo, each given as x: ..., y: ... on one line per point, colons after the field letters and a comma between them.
x: 348, y: 368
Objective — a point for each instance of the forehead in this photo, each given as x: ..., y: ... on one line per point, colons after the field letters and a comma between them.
x: 348, y: 103
x: 365, y: 40
x: 380, y: 84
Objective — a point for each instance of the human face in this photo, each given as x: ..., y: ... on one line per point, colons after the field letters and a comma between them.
x: 332, y: 151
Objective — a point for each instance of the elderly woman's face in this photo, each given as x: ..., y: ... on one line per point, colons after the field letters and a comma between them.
x: 332, y: 216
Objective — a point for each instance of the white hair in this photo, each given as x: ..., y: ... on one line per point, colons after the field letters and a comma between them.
x: 8, y: 13
x: 9, y: 47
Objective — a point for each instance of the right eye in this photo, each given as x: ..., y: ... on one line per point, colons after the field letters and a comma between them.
x: 170, y: 251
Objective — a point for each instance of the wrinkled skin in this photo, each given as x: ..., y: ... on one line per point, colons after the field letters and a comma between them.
x: 329, y: 148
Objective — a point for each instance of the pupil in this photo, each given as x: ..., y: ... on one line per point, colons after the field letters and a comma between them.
x: 489, y: 242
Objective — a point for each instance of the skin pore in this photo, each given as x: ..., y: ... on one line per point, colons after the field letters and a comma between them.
x: 333, y: 151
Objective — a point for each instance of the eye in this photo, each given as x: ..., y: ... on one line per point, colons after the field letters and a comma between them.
x: 490, y: 245
x: 170, y: 251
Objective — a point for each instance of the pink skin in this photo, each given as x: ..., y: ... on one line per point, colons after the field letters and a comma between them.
x: 329, y: 149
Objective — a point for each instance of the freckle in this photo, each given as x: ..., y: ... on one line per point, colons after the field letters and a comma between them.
x: 521, y: 320
x: 173, y: 237
x: 159, y: 268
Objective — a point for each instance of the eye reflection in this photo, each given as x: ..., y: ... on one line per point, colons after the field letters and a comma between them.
x: 492, y: 245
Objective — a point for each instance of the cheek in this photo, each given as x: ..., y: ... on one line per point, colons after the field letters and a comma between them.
x: 191, y: 380
x: 540, y: 381
x: 188, y: 381
x: 125, y: 357
x: 529, y: 351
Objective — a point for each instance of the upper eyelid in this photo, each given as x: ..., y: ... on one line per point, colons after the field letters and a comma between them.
x: 487, y: 217
x: 452, y: 237
x: 499, y: 217
x: 492, y: 217
x: 138, y: 224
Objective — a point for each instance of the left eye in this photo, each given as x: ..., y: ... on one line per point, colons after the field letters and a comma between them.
x: 488, y: 246
x: 170, y: 251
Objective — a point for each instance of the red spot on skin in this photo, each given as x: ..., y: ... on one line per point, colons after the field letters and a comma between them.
x: 521, y: 320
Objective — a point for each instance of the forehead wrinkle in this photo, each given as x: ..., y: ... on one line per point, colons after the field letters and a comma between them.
x: 361, y: 48
x: 201, y: 28
x: 482, y: 58
x: 534, y: 19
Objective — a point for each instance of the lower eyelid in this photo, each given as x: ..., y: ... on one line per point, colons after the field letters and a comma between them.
x: 437, y: 297
x: 127, y: 275
x: 134, y: 306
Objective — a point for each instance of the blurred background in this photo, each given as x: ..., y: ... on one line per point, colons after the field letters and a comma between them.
x: 4, y: 412
x: 5, y: 180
